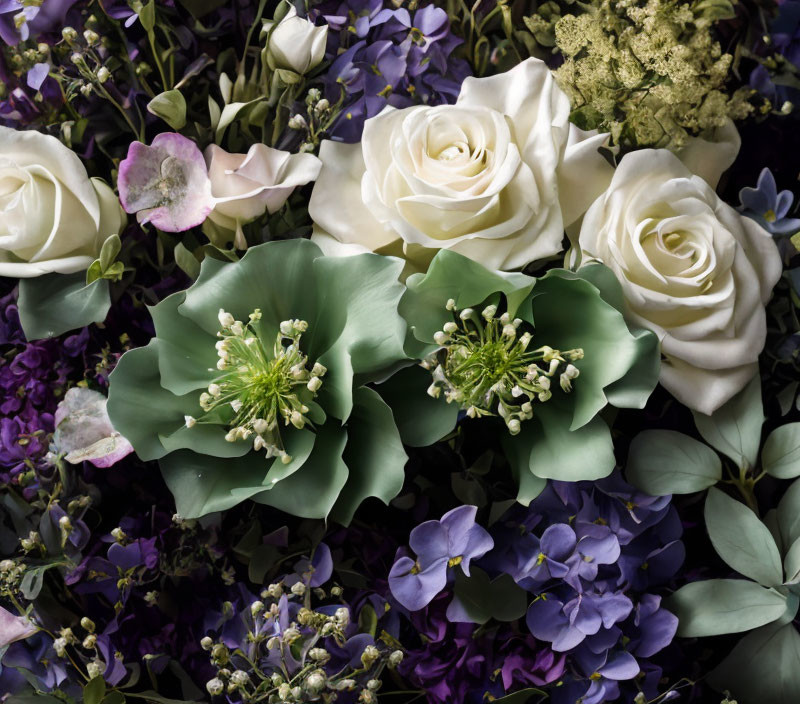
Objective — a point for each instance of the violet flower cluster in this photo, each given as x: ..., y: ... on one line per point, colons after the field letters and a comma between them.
x: 382, y: 55
x: 589, y: 556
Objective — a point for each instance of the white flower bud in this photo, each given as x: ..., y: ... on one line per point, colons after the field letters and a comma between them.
x: 87, y: 624
x: 316, y: 682
x: 236, y: 405
x: 225, y: 319
x: 488, y: 314
x: 285, y: 458
x: 94, y: 669
x: 342, y: 615
x: 65, y: 524
x: 206, y: 643
x: 103, y: 74
x: 237, y: 329
x: 298, y: 589
x: 297, y: 122
x: 91, y: 37
x: 287, y: 328
x: 441, y: 338
x: 240, y: 678
x: 69, y: 34
x: 319, y: 369
x: 285, y: 691
x: 513, y: 426
x: 395, y: 658
x: 450, y: 327
x: 314, y: 384
x: 297, y: 420
x: 215, y: 687
x: 466, y: 314
x: 509, y: 331
x: 190, y: 421
x: 256, y: 608
x: 451, y: 304
x: 89, y: 642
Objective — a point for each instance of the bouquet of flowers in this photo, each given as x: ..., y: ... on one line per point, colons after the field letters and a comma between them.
x: 394, y: 351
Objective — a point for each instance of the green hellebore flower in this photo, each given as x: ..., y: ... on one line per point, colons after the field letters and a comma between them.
x: 254, y: 384
x: 564, y: 325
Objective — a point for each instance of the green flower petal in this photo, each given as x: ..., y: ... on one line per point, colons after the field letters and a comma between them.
x: 312, y: 491
x: 186, y: 351
x: 569, y: 313
x: 203, y: 484
x: 362, y: 333
x: 276, y: 277
x: 421, y: 420
x: 139, y: 408
x: 452, y: 275
x: 374, y: 455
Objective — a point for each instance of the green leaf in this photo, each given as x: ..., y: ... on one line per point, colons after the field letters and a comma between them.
x: 367, y: 620
x: 663, y: 462
x: 735, y: 429
x: 109, y: 251
x: 114, y: 697
x: 187, y: 261
x: 94, y: 691
x: 374, y: 455
x: 476, y: 598
x: 788, y: 514
x: 791, y: 563
x: 147, y: 16
x: 421, y: 420
x: 763, y: 668
x: 53, y: 304
x: 742, y: 540
x: 170, y: 106
x: 719, y: 606
x: 781, y: 454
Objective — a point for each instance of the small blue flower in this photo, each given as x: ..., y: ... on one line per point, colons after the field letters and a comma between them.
x: 768, y: 207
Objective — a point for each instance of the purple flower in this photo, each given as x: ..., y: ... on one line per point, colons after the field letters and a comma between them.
x: 567, y: 625
x: 453, y: 540
x: 34, y: 19
x: 166, y: 183
x: 383, y: 56
x: 768, y: 207
x: 14, y: 628
x: 548, y: 556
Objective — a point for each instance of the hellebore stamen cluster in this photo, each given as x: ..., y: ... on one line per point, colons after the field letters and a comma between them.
x: 485, y: 366
x: 262, y: 389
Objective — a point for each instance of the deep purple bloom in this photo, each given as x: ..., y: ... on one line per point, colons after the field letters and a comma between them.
x: 453, y: 540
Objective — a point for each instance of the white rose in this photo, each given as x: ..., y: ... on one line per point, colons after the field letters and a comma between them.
x: 495, y: 177
x: 245, y: 186
x: 296, y: 44
x: 53, y: 217
x: 692, y: 270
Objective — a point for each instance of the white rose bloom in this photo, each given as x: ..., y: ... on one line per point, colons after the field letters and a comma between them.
x: 495, y: 177
x: 692, y: 270
x: 53, y: 217
x: 296, y: 44
x: 245, y: 186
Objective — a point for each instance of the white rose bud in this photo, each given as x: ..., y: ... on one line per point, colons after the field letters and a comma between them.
x: 295, y: 44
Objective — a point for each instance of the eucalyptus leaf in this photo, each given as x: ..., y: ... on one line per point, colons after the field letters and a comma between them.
x: 763, y: 668
x: 718, y: 606
x: 53, y: 304
x: 742, y: 540
x: 788, y: 514
x: 781, y: 454
x: 663, y: 462
x: 791, y: 563
x: 735, y: 429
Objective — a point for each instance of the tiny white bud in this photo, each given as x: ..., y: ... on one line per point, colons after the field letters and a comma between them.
x: 65, y: 523
x: 236, y: 405
x: 314, y: 384
x: 221, y: 364
x: 450, y: 327
x: 297, y: 122
x: 285, y: 458
x: 89, y: 642
x: 319, y: 369
x: 513, y: 426
x: 103, y: 74
x: 298, y: 589
x: 297, y: 420
x: 395, y: 658
x: 91, y: 37
x: 215, y: 687
x: 509, y: 331
x: 94, y: 669
x: 225, y: 319
x: 214, y: 390
x: 451, y: 304
x: 466, y: 313
x: 287, y: 328
x: 256, y: 607
x: 488, y: 314
x: 206, y: 643
x: 440, y: 338
x: 190, y: 421
x: 237, y: 329
x: 240, y: 678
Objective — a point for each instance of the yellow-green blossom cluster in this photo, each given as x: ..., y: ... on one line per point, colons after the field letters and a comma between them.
x: 648, y: 71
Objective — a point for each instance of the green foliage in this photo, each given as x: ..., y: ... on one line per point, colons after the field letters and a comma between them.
x: 477, y: 599
x: 53, y: 304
